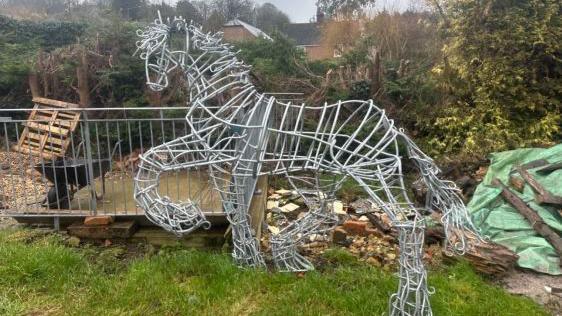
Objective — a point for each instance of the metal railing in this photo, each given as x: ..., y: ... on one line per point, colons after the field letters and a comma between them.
x: 94, y: 173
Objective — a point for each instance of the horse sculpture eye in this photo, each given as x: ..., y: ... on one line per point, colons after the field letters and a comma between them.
x: 242, y: 138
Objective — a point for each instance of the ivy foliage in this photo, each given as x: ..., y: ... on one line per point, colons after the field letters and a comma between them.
x: 502, y: 74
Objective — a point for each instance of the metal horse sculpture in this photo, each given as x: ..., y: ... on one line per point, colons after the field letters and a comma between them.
x: 249, y: 134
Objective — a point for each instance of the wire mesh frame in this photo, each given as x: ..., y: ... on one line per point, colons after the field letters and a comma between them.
x: 233, y: 141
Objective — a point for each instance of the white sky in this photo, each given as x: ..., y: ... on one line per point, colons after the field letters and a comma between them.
x: 298, y: 10
x: 304, y: 10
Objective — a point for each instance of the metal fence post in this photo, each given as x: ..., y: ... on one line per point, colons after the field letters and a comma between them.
x: 89, y: 162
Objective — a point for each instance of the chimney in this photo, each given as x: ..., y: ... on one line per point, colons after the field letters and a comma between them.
x: 319, y: 15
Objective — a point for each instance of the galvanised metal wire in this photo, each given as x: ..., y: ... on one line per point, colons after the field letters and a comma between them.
x: 316, y: 147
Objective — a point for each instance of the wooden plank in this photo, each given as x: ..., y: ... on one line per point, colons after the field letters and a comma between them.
x: 47, y: 128
x: 542, y: 196
x: 62, y: 123
x: 51, y: 140
x: 68, y: 116
x: 26, y: 147
x: 41, y: 118
x: 114, y: 230
x: 55, y: 103
x: 31, y: 143
x: 550, y: 168
x: 199, y: 239
x: 48, y: 135
x: 534, y: 219
x: 44, y: 112
x: 257, y: 205
x: 45, y: 155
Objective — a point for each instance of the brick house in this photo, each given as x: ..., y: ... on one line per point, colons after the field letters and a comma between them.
x: 239, y: 31
x: 307, y: 36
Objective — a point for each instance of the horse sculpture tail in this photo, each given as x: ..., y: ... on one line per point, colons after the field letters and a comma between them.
x: 445, y: 196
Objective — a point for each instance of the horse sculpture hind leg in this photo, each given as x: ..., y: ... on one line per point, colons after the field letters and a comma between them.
x: 412, y: 296
x: 318, y: 220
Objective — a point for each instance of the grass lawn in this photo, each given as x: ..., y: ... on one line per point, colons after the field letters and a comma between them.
x: 40, y: 275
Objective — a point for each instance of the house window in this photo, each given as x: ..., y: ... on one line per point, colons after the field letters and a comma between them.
x: 337, y: 53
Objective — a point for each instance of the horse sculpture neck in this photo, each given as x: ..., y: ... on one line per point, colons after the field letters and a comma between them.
x: 216, y: 75
x: 221, y: 90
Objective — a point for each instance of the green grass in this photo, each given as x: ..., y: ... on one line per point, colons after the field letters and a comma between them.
x: 39, y: 275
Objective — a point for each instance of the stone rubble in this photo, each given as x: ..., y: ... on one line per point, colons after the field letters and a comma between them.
x: 20, y: 184
x: 355, y: 231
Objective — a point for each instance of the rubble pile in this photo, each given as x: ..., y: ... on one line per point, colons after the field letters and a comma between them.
x: 20, y: 184
x: 368, y: 237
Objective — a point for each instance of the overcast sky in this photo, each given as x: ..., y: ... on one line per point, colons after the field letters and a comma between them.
x: 304, y: 10
x: 298, y: 10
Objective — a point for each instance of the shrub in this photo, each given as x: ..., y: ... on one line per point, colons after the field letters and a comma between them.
x: 503, y: 74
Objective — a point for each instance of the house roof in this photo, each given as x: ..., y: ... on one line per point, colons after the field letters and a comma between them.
x: 252, y: 29
x: 304, y: 34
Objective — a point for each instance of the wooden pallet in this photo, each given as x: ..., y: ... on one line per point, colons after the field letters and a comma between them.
x: 48, y: 130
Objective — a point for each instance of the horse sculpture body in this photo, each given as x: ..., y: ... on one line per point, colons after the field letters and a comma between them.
x: 249, y: 134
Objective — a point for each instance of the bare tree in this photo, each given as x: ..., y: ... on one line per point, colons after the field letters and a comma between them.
x: 188, y: 10
x: 269, y: 18
x: 232, y: 9
x: 347, y: 8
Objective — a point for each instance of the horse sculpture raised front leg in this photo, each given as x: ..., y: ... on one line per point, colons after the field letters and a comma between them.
x: 182, y: 153
x: 247, y: 134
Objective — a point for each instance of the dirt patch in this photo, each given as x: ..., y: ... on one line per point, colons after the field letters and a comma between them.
x: 6, y: 221
x: 532, y: 284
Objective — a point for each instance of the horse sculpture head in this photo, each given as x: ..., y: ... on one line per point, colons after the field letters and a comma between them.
x: 175, y: 44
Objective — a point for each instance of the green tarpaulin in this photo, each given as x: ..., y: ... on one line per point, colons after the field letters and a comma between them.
x: 503, y: 224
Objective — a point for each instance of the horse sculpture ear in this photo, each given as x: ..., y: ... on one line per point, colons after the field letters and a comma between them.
x: 187, y: 39
x: 160, y: 17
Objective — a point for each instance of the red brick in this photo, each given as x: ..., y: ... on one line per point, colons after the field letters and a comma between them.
x: 355, y: 227
x: 373, y: 231
x: 98, y: 220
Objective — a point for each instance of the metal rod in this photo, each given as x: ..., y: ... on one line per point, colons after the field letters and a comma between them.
x: 232, y: 143
x: 89, y: 161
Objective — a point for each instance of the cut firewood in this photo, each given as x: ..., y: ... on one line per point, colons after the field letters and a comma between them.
x: 487, y: 257
x: 491, y: 258
x: 542, y: 196
x: 534, y: 219
x: 550, y: 168
x: 378, y: 223
x: 517, y: 183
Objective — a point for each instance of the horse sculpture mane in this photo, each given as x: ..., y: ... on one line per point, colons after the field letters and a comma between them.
x: 250, y: 134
